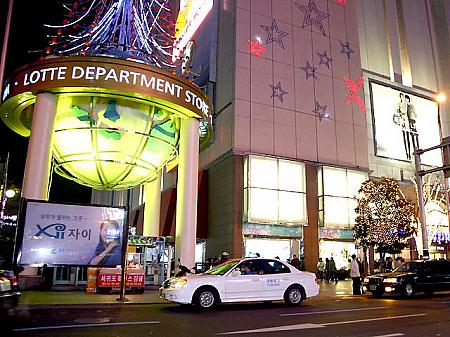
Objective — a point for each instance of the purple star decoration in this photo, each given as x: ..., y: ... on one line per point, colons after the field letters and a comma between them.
x: 309, y: 71
x: 324, y: 59
x: 272, y: 31
x: 320, y: 111
x: 313, y: 16
x: 346, y: 48
x: 277, y: 91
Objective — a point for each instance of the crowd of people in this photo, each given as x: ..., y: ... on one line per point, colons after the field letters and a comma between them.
x: 327, y: 270
x: 388, y: 264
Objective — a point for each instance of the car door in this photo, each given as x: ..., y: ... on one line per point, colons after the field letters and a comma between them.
x: 244, y: 286
x: 275, y: 279
x: 446, y: 275
x: 429, y: 277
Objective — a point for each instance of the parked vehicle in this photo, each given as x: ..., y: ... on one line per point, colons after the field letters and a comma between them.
x: 9, y: 291
x: 410, y: 278
x: 247, y: 279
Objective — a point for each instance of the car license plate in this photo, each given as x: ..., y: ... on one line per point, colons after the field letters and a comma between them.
x: 372, y: 287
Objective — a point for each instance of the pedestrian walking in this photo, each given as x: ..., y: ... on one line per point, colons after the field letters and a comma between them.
x: 356, y: 276
x: 321, y: 269
x: 332, y: 270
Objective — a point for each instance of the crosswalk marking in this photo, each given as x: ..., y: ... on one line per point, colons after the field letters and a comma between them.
x: 315, y: 326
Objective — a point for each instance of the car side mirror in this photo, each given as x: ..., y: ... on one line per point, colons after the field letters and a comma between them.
x: 235, y: 273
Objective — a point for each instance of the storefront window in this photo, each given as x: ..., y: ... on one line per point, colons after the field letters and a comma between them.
x: 274, y: 191
x: 263, y: 205
x: 339, y: 250
x: 337, y: 188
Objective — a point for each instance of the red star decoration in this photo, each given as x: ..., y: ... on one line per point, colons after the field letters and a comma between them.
x: 254, y: 47
x: 353, y: 87
x: 341, y: 2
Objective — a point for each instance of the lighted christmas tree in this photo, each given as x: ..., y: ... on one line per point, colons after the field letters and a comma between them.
x: 141, y: 30
x: 385, y: 218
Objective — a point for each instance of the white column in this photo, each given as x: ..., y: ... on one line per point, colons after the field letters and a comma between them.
x: 187, y: 190
x: 39, y: 155
x: 152, y: 207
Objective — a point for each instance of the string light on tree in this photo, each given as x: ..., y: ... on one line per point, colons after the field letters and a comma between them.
x: 385, y: 218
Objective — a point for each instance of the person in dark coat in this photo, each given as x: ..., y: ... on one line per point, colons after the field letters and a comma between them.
x: 295, y: 262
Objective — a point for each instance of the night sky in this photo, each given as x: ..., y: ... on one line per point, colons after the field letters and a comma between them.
x: 27, y: 40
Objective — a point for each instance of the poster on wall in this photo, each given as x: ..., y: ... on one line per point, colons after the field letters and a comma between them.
x: 402, y: 121
x: 64, y: 234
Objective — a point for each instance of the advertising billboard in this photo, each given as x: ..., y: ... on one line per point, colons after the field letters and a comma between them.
x: 401, y: 121
x: 65, y: 234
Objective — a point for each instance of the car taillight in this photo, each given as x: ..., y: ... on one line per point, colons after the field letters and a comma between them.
x: 13, y: 281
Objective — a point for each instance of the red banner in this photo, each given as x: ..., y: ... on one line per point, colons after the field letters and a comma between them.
x: 113, y: 280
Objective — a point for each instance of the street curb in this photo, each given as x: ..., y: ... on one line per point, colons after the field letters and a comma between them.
x: 24, y: 306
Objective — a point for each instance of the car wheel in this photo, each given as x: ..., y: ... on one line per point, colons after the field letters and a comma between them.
x: 408, y: 290
x: 206, y: 298
x: 294, y: 295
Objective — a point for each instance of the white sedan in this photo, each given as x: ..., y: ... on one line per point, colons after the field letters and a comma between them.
x: 249, y: 279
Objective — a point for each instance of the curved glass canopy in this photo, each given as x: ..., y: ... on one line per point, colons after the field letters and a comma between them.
x: 109, y: 143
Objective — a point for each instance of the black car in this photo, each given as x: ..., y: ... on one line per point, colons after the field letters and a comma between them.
x: 411, y: 277
x: 9, y: 291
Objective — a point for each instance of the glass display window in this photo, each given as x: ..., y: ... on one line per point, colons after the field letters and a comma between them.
x: 337, y: 188
x: 274, y: 191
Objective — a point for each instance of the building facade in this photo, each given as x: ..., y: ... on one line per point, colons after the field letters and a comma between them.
x: 313, y: 97
x: 305, y: 97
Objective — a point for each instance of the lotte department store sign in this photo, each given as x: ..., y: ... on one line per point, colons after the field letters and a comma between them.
x: 108, y: 75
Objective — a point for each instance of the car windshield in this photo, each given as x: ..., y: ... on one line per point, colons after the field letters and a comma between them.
x: 408, y: 266
x: 223, y: 268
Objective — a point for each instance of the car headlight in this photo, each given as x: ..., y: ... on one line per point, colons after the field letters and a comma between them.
x: 366, y: 280
x: 178, y: 283
x: 390, y: 280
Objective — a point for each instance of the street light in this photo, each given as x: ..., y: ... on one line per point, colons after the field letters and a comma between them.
x: 441, y: 97
x: 10, y: 194
x: 445, y: 148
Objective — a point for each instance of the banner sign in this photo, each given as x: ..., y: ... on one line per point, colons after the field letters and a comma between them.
x: 403, y: 120
x: 113, y: 280
x: 336, y: 233
x: 64, y: 234
x: 100, y: 73
x: 271, y: 230
x: 149, y: 241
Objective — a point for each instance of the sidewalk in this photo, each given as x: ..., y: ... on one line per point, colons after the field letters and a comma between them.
x: 64, y: 296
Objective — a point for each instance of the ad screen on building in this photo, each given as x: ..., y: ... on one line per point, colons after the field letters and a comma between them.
x: 402, y: 120
x: 64, y: 234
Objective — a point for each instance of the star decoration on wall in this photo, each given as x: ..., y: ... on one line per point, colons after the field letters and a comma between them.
x: 324, y: 59
x: 274, y: 34
x: 346, y: 48
x: 341, y: 2
x: 321, y: 111
x: 256, y: 48
x: 277, y: 91
x: 309, y: 70
x: 313, y: 16
x: 353, y: 88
